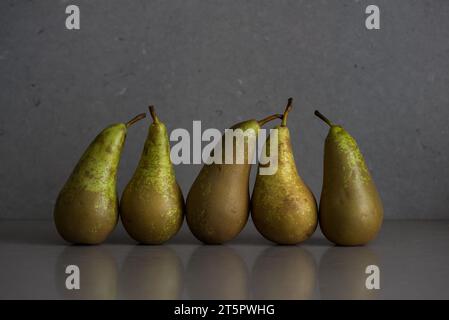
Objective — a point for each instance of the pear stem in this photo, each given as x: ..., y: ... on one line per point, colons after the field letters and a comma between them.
x: 153, y: 114
x: 269, y: 118
x: 322, y: 117
x: 288, y: 108
x: 135, y: 119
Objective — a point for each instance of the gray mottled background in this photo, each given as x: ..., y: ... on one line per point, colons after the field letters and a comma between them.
x: 222, y: 62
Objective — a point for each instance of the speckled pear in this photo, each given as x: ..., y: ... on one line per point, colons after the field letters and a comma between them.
x: 351, y: 210
x: 152, y: 205
x: 217, y: 206
x: 283, y: 208
x: 86, y: 209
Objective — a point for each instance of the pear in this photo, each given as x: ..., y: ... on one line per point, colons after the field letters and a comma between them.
x: 152, y: 205
x: 283, y: 208
x: 86, y: 209
x: 350, y: 207
x: 217, y: 206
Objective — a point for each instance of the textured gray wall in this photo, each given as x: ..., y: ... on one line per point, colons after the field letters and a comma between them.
x: 222, y: 62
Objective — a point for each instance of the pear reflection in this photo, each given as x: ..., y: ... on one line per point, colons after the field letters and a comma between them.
x: 284, y: 273
x: 217, y: 272
x: 151, y: 273
x: 97, y: 273
x: 342, y: 273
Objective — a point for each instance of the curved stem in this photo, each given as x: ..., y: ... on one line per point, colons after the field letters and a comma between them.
x: 135, y: 119
x: 322, y: 117
x: 288, y: 107
x: 269, y: 118
x: 153, y: 114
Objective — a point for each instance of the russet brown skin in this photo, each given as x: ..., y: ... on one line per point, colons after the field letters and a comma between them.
x: 152, y: 219
x: 217, y: 206
x: 283, y: 208
x: 221, y: 193
x: 76, y: 214
x: 351, y: 210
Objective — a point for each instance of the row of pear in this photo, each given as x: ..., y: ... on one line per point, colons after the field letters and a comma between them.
x: 217, y: 207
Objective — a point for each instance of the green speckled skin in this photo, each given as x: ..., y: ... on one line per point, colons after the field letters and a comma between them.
x: 86, y: 209
x: 217, y: 206
x: 351, y: 210
x: 152, y: 205
x: 283, y: 208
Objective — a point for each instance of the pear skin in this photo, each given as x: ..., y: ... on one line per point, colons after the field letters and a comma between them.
x: 86, y: 209
x: 217, y: 206
x: 152, y: 205
x: 283, y: 207
x: 351, y: 210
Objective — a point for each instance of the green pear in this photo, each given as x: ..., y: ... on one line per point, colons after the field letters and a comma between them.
x: 283, y: 208
x: 217, y: 205
x: 351, y: 210
x: 86, y: 209
x: 152, y: 205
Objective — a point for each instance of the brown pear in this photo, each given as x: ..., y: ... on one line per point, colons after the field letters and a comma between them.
x: 217, y: 206
x: 351, y: 210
